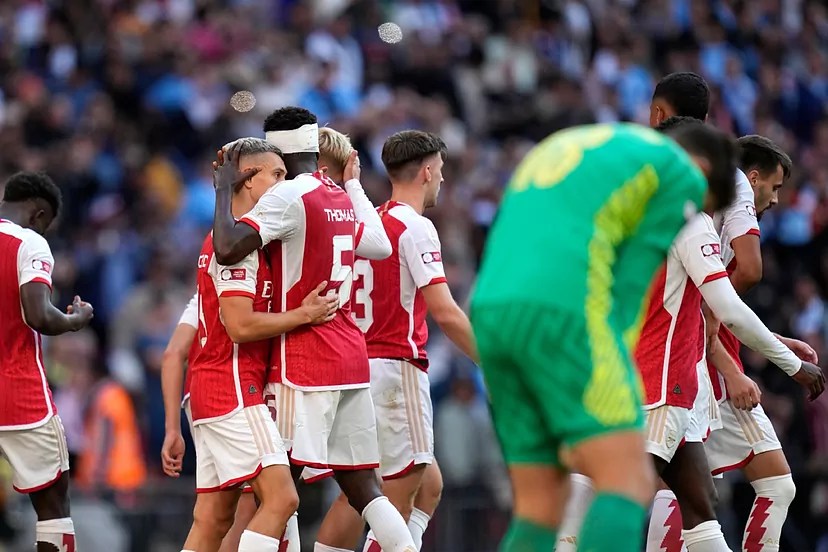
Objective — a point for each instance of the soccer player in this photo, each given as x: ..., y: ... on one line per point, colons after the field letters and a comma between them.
x: 748, y: 439
x: 235, y: 437
x: 588, y: 218
x: 31, y: 434
x: 668, y: 353
x: 687, y: 94
x: 392, y: 298
x: 313, y: 228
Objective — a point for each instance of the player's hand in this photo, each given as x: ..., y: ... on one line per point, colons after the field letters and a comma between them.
x: 81, y: 310
x: 226, y: 172
x: 352, y: 169
x: 172, y: 454
x: 799, y: 348
x: 811, y: 378
x: 320, y: 308
x: 744, y: 393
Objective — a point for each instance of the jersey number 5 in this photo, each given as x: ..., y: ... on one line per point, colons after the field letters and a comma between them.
x: 342, y: 273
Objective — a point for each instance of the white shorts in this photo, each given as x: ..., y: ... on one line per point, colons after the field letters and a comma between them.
x: 402, y: 401
x: 744, y: 435
x: 335, y: 430
x: 280, y: 399
x: 37, y: 456
x: 705, y: 417
x: 664, y: 430
x: 234, y: 450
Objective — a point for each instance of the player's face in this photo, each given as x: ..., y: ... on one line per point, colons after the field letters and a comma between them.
x: 434, y: 178
x: 271, y: 171
x: 766, y: 190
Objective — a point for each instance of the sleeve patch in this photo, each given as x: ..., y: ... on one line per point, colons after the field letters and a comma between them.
x: 432, y: 257
x: 751, y: 209
x: 42, y: 265
x: 710, y: 249
x: 233, y: 274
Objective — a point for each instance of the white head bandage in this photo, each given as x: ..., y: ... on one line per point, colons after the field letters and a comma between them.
x: 301, y: 140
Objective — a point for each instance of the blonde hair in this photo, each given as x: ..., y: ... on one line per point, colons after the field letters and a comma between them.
x: 335, y: 146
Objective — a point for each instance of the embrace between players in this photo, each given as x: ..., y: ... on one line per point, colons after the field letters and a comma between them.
x: 300, y: 283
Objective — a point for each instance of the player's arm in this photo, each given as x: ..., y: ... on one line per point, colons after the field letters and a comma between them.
x: 372, y: 241
x: 748, y: 271
x: 450, y: 317
x: 232, y: 240
x: 34, y: 274
x: 243, y: 324
x: 749, y: 329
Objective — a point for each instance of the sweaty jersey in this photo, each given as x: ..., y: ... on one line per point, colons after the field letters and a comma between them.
x: 672, y: 338
x: 587, y: 213
x: 227, y: 376
x: 25, y: 397
x: 310, y: 229
x: 388, y: 303
x: 737, y: 220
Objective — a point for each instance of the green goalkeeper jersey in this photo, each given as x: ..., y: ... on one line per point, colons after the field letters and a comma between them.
x: 588, y: 217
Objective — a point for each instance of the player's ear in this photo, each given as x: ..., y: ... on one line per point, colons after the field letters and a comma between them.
x: 427, y: 176
x: 753, y: 176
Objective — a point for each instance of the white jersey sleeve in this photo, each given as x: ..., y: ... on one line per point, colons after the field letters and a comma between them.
x: 739, y: 218
x: 372, y: 241
x: 34, y: 260
x: 238, y: 280
x: 699, y: 249
x: 277, y: 215
x: 420, y: 247
x: 190, y: 314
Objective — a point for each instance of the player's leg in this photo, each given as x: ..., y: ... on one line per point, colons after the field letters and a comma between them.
x: 245, y: 509
x: 341, y: 529
x: 581, y: 493
x: 402, y: 404
x: 664, y: 530
x: 688, y: 475
x: 39, y: 460
x: 748, y: 440
x: 426, y: 502
x: 212, y: 518
x: 354, y: 454
x: 529, y: 447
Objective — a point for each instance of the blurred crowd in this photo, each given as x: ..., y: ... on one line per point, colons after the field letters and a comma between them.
x: 123, y: 103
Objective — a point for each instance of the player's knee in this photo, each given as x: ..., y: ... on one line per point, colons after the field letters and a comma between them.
x: 214, y: 521
x: 781, y: 489
x: 282, y: 503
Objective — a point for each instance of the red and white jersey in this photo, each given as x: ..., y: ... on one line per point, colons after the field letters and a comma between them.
x: 388, y: 302
x: 227, y: 376
x: 737, y: 220
x: 310, y: 229
x: 672, y: 338
x: 190, y: 318
x: 25, y: 397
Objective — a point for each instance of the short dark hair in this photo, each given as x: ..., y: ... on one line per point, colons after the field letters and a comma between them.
x: 762, y: 154
x: 687, y: 92
x: 408, y: 148
x: 289, y: 118
x: 719, y: 149
x: 676, y: 121
x: 24, y: 186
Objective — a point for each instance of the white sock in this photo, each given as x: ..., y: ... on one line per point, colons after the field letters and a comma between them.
x: 292, y: 534
x: 581, y: 494
x: 705, y: 537
x: 60, y: 533
x: 770, y: 509
x: 664, y: 532
x: 319, y: 547
x: 388, y: 526
x: 371, y: 544
x: 256, y: 542
x: 417, y: 525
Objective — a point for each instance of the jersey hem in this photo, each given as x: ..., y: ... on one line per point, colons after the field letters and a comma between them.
x: 312, y: 389
x: 715, y: 276
x: 219, y: 418
x: 33, y: 425
x: 237, y: 293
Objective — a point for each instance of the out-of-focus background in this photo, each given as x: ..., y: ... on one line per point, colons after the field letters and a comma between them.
x: 124, y: 101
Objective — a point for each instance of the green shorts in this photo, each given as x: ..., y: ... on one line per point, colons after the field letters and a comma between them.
x: 550, y: 383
